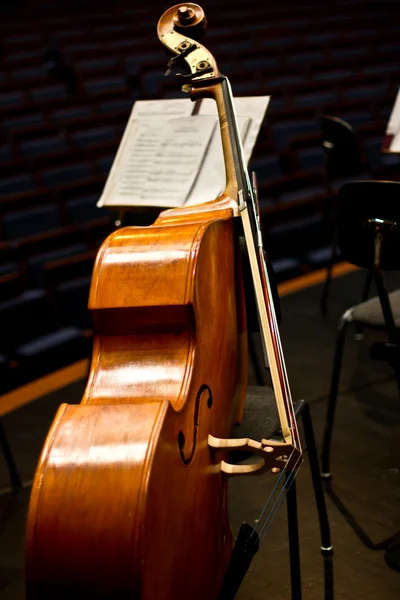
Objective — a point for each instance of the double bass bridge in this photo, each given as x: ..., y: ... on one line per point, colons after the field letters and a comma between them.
x: 273, y: 456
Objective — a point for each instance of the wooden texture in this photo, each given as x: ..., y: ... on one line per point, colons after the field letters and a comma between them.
x: 128, y: 500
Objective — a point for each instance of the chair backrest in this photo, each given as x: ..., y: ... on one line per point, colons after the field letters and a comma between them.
x: 340, y: 143
x: 359, y: 202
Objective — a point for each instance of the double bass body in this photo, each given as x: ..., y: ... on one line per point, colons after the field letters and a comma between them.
x: 128, y: 500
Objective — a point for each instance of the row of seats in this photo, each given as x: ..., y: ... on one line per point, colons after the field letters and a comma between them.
x: 67, y: 85
x: 42, y: 332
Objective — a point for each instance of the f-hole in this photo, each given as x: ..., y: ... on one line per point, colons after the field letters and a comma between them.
x: 204, y: 391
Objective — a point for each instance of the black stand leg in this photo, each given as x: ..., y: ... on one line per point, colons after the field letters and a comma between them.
x: 326, y: 545
x: 12, y: 468
x: 303, y: 410
x: 328, y: 278
x: 330, y: 415
x: 294, y: 549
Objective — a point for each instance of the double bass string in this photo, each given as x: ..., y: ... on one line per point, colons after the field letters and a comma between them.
x: 279, y: 501
x: 279, y: 491
x: 252, y: 209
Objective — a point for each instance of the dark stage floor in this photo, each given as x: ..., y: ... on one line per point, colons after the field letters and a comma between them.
x: 365, y: 464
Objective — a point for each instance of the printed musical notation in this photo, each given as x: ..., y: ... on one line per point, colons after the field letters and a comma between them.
x: 161, y: 161
x: 391, y: 142
x: 176, y: 159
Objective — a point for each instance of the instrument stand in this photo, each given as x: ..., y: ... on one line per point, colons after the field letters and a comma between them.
x: 247, y: 541
x: 10, y: 462
x: 302, y: 409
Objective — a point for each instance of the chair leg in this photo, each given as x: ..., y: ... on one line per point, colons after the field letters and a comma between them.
x: 390, y: 324
x: 293, y: 532
x: 330, y: 414
x: 12, y: 467
x: 326, y: 544
x: 328, y: 278
x: 303, y: 410
x: 359, y: 335
x: 367, y: 286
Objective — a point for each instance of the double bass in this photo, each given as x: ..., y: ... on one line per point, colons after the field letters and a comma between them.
x: 130, y: 496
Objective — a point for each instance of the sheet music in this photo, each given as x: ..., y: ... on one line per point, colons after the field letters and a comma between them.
x: 146, y: 108
x: 176, y: 159
x: 253, y: 107
x: 161, y: 161
x: 392, y: 137
x: 211, y: 180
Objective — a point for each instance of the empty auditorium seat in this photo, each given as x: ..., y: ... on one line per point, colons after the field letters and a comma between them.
x: 43, y: 145
x: 96, y: 135
x: 24, y: 57
x: 104, y: 164
x: 310, y: 158
x: 123, y: 105
x: 9, y: 259
x: 70, y: 114
x: 49, y: 240
x: 67, y: 268
x: 30, y: 336
x: 6, y: 153
x: 266, y: 167
x: 366, y: 91
x: 32, y: 72
x: 67, y: 174
x: 35, y: 264
x: 94, y: 64
x: 303, y: 193
x: 304, y: 57
x: 333, y: 74
x: 286, y: 268
x: 7, y: 379
x: 83, y: 208
x: 11, y: 99
x: 11, y: 285
x: 316, y: 99
x: 104, y: 85
x: 285, y: 81
x: 72, y: 302
x: 99, y: 229
x: 48, y: 93
x: 357, y: 117
x: 282, y: 132
x: 26, y: 222
x: 296, y: 237
x: 320, y: 257
x: 373, y: 151
x: 11, y: 123
x: 16, y: 183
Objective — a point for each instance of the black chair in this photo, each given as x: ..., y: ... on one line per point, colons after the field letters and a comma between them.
x: 342, y: 161
x: 368, y: 225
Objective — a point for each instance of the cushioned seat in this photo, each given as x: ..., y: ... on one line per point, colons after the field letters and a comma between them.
x: 32, y: 337
x: 44, y: 343
x: 260, y: 416
x: 83, y: 208
x: 21, y: 223
x: 72, y: 300
x: 370, y: 312
x: 260, y: 419
x: 35, y: 264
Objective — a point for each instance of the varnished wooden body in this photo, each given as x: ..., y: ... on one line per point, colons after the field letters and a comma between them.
x: 128, y: 499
